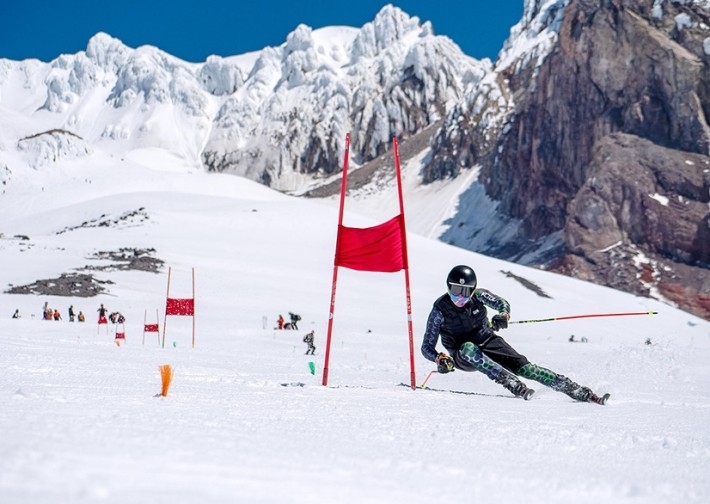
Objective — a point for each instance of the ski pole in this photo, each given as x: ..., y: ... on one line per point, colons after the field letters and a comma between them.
x: 427, y: 378
x: 590, y: 315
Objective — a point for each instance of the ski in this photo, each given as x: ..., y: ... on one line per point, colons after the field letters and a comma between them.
x: 460, y: 392
x: 527, y: 395
x: 599, y: 400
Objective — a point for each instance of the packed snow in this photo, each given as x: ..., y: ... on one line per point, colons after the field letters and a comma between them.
x: 245, y: 419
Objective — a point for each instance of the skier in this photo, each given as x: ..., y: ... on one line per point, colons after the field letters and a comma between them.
x: 294, y: 320
x: 71, y: 313
x: 308, y: 338
x: 460, y: 318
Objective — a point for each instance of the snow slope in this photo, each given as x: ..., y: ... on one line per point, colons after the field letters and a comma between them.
x: 246, y: 421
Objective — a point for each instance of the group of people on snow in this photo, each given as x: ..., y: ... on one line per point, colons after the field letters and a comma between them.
x: 292, y: 325
x: 308, y: 339
x: 54, y: 314
x: 113, y: 317
x: 50, y: 313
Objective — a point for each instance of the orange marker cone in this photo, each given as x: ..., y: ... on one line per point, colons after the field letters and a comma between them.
x: 166, y: 377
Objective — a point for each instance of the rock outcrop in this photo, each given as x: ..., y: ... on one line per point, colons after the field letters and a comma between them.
x: 640, y: 222
x: 604, y: 150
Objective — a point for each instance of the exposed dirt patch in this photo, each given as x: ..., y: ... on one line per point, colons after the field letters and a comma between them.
x: 131, y: 218
x: 85, y: 284
x: 125, y: 259
x: 68, y: 284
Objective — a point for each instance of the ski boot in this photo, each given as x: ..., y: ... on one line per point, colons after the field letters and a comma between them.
x: 519, y: 389
x: 572, y: 389
x: 527, y: 395
x: 585, y: 394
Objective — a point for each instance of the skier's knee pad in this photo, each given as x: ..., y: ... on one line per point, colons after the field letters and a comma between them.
x: 466, y: 356
x: 470, y: 352
x: 473, y: 358
x: 468, y: 347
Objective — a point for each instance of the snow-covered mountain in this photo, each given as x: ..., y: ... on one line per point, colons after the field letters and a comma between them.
x: 278, y: 116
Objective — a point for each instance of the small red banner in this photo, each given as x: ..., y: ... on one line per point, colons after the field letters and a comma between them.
x: 180, y: 307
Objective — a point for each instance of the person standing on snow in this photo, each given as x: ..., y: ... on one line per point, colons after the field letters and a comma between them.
x: 308, y: 339
x: 102, y: 314
x: 461, y: 319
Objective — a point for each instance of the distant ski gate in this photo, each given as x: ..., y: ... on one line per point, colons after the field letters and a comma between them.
x: 184, y: 307
x: 381, y: 248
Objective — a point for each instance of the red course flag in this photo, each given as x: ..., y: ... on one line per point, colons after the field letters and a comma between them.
x: 378, y: 248
x: 180, y: 306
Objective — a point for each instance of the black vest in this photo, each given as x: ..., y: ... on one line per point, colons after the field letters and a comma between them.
x: 469, y: 323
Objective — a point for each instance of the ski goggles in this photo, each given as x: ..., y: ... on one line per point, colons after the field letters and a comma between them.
x: 456, y: 290
x: 460, y: 301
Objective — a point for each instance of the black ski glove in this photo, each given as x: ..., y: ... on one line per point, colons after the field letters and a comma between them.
x: 499, y: 322
x: 444, y: 363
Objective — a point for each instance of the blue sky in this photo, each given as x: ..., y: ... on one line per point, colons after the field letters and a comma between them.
x: 193, y: 30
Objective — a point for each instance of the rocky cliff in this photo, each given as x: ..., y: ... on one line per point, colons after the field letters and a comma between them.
x: 601, y: 168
